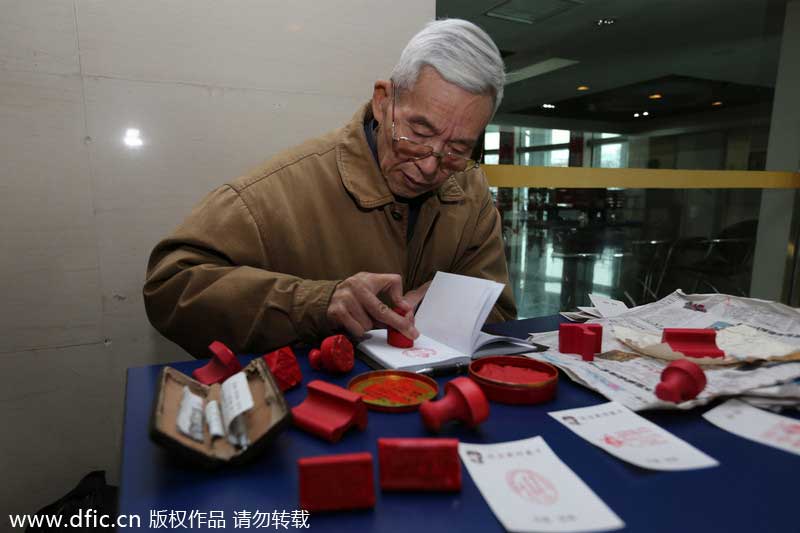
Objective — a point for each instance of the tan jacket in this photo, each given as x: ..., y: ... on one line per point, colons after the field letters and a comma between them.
x: 255, y: 264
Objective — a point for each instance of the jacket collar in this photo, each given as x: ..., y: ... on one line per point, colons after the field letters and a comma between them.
x: 361, y: 175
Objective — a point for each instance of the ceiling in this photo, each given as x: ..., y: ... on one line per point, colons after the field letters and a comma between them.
x: 668, y: 96
x: 692, y: 52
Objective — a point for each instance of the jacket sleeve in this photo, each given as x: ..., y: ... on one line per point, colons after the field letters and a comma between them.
x: 210, y: 280
x: 485, y: 258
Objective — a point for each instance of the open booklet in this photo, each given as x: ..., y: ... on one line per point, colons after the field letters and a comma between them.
x: 449, y: 322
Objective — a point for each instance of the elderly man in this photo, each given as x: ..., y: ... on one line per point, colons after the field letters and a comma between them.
x: 326, y: 234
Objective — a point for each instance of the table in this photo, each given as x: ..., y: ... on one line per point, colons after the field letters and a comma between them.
x: 753, y: 489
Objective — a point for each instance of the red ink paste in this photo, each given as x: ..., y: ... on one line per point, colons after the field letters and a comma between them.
x: 512, y: 374
x: 399, y: 392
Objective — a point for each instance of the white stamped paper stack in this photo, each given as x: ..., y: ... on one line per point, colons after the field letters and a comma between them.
x: 530, y: 489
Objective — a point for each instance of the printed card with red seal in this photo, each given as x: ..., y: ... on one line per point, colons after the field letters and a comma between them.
x: 530, y: 489
x: 632, y: 438
x: 757, y: 425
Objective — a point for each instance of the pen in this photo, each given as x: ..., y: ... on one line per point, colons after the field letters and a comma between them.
x: 445, y: 370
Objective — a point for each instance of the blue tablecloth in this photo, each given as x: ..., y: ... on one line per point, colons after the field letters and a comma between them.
x: 753, y: 489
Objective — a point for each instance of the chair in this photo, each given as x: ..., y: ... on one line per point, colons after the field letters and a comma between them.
x: 722, y: 263
x: 649, y: 256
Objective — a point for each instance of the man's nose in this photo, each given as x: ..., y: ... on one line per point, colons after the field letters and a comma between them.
x: 429, y: 166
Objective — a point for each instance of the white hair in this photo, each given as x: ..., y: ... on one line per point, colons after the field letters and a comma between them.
x: 461, y: 52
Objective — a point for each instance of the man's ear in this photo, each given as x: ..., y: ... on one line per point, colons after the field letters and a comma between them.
x: 381, y: 93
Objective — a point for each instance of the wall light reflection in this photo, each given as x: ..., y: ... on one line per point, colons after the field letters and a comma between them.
x: 132, y: 138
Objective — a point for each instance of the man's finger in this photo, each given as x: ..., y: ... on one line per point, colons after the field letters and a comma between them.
x: 392, y: 285
x: 380, y: 312
x: 403, y: 305
x: 358, y: 313
x: 352, y: 326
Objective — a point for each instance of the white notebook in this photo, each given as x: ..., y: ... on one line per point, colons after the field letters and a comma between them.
x: 449, y: 321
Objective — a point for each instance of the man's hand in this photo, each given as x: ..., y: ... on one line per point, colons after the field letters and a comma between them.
x: 355, y: 305
x: 414, y: 297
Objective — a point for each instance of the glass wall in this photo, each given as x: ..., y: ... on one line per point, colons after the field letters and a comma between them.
x: 631, y: 85
x: 635, y: 245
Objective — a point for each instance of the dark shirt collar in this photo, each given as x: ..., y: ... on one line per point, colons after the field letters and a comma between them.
x: 370, y: 127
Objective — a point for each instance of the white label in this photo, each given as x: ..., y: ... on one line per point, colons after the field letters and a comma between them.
x: 530, y: 489
x: 751, y: 423
x: 190, y: 415
x: 214, y: 419
x: 238, y: 433
x: 627, y: 436
x: 236, y: 398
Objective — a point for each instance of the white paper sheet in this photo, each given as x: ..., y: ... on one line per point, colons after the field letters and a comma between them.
x: 607, y: 307
x: 778, y: 431
x: 455, y: 309
x: 214, y: 419
x: 236, y: 398
x: 627, y: 436
x: 745, y: 342
x: 190, y: 415
x: 530, y: 489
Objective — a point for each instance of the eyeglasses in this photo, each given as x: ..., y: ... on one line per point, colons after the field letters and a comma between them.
x: 415, y: 151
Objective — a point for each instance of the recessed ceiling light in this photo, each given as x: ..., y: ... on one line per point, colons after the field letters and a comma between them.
x: 645, y: 113
x: 636, y: 115
x: 583, y: 87
x: 717, y: 103
x: 605, y: 22
x: 548, y: 106
x: 655, y: 96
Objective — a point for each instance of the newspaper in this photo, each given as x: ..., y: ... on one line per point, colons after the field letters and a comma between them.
x: 624, y: 376
x: 775, y: 397
x: 604, y: 307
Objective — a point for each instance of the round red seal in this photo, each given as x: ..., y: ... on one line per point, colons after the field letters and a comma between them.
x: 531, y: 486
x: 420, y: 353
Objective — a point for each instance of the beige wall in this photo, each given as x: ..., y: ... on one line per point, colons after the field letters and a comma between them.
x: 214, y: 88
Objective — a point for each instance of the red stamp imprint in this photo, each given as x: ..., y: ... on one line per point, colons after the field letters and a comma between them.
x: 420, y: 353
x: 635, y: 438
x: 786, y: 433
x: 531, y: 486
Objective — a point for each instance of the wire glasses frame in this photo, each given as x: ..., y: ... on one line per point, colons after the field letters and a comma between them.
x: 415, y: 151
